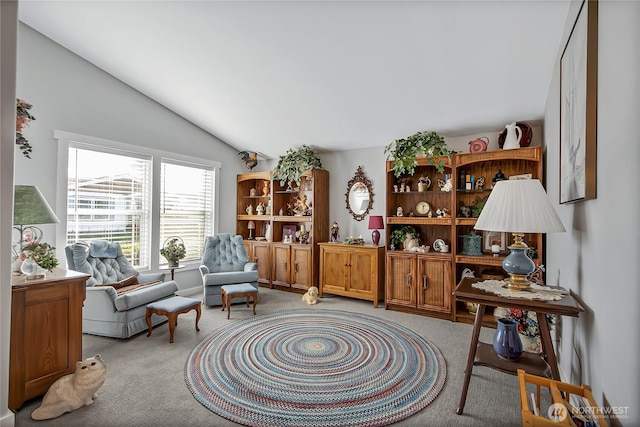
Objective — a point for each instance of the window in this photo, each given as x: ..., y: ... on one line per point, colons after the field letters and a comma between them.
x: 186, y: 205
x: 137, y: 197
x: 108, y: 197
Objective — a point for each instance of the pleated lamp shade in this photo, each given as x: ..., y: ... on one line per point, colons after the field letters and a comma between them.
x: 519, y: 206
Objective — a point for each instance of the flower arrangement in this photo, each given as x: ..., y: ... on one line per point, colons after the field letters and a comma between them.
x: 173, y: 250
x: 23, y: 117
x: 42, y: 253
x: 528, y: 322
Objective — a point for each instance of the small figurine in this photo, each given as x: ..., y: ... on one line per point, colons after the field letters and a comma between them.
x: 252, y: 192
x: 465, y: 211
x: 335, y: 230
x: 448, y: 186
x: 439, y: 213
x: 399, y: 211
x: 395, y: 188
x: 249, y: 210
x: 480, y: 183
x: 265, y: 188
x: 260, y: 208
x: 402, y: 187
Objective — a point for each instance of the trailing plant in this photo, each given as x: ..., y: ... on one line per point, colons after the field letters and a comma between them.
x: 403, y: 152
x: 477, y: 206
x: 399, y: 235
x: 294, y: 163
x: 23, y: 117
x: 42, y: 253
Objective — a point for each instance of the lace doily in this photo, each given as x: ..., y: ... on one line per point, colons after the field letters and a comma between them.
x: 539, y: 292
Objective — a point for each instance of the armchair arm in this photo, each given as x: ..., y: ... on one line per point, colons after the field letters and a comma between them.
x: 204, y: 270
x: 150, y: 277
x: 145, y: 295
x: 251, y: 266
x: 99, y: 303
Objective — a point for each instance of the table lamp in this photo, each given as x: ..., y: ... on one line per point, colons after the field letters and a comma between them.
x: 519, y: 206
x: 30, y: 207
x: 251, y: 226
x: 375, y: 223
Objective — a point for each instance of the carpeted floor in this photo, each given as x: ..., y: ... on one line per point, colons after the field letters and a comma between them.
x: 145, y: 383
x: 315, y: 368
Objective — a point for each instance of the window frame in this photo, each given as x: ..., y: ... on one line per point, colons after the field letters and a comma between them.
x: 68, y: 139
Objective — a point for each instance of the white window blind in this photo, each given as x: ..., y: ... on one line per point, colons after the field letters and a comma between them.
x: 186, y: 205
x: 109, y: 198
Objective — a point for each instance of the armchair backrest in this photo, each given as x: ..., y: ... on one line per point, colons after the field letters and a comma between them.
x: 104, y: 261
x: 224, y: 252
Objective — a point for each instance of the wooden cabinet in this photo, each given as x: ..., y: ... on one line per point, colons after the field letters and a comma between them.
x: 291, y: 266
x: 355, y: 271
x: 443, y: 270
x: 46, y: 332
x: 419, y: 282
x: 288, y: 265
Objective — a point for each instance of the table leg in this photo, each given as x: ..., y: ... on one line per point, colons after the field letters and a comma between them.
x: 547, y: 345
x: 477, y: 325
x: 148, y: 319
x: 198, y: 313
x: 255, y: 301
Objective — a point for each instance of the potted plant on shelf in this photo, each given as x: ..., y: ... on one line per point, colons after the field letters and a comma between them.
x: 399, y: 235
x: 403, y: 152
x: 173, y: 250
x: 294, y: 163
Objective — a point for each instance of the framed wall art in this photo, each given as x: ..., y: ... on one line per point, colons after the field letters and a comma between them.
x: 494, y: 237
x: 578, y: 107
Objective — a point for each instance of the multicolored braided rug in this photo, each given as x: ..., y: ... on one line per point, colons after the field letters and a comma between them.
x: 319, y: 367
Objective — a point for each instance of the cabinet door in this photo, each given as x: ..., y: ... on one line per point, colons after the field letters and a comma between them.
x: 400, y: 283
x: 301, y: 266
x: 434, y: 292
x: 262, y: 256
x: 280, y: 262
x: 334, y: 266
x: 362, y: 272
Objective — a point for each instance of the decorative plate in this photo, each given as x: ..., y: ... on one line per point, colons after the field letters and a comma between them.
x: 423, y: 208
x: 438, y: 244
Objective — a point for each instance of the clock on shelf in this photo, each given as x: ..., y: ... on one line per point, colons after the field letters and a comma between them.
x: 423, y: 208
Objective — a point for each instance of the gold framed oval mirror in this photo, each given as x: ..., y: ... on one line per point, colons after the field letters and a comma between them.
x: 359, y: 196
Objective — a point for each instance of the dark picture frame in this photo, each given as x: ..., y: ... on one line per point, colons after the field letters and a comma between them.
x: 578, y: 107
x: 289, y: 230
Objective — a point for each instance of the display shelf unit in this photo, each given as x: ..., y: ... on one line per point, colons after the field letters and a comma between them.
x: 420, y: 282
x: 282, y: 264
x: 461, y: 168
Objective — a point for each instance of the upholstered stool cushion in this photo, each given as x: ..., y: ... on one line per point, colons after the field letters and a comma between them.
x: 240, y: 288
x: 173, y: 304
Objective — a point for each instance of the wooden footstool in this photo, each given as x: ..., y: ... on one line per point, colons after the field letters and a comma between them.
x: 171, y: 307
x: 228, y: 292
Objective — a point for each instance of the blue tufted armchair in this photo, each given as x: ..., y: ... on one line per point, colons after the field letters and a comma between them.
x: 225, y: 262
x: 117, y: 294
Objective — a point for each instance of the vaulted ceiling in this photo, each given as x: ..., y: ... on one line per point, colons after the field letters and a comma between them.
x: 269, y: 75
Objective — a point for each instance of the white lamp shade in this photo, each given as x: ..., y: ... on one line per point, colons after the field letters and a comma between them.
x: 519, y: 206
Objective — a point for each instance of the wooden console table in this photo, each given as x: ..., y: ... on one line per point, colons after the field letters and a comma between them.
x: 482, y: 354
x: 46, y: 332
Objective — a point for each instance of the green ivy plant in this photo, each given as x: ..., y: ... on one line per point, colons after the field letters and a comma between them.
x: 404, y: 151
x: 294, y: 163
x: 399, y: 235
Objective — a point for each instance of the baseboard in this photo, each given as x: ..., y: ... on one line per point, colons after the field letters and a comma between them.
x: 9, y: 420
x: 189, y: 292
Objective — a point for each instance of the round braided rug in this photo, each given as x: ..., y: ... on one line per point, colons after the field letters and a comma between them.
x: 315, y: 368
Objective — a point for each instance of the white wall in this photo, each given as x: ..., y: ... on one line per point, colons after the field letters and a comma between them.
x: 8, y: 35
x: 597, y: 258
x: 70, y: 94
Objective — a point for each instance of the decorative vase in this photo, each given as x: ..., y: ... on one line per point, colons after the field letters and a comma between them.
x: 173, y: 263
x: 30, y: 268
x: 506, y: 341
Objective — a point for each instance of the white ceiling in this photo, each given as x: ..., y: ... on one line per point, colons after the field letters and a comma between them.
x: 269, y: 75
